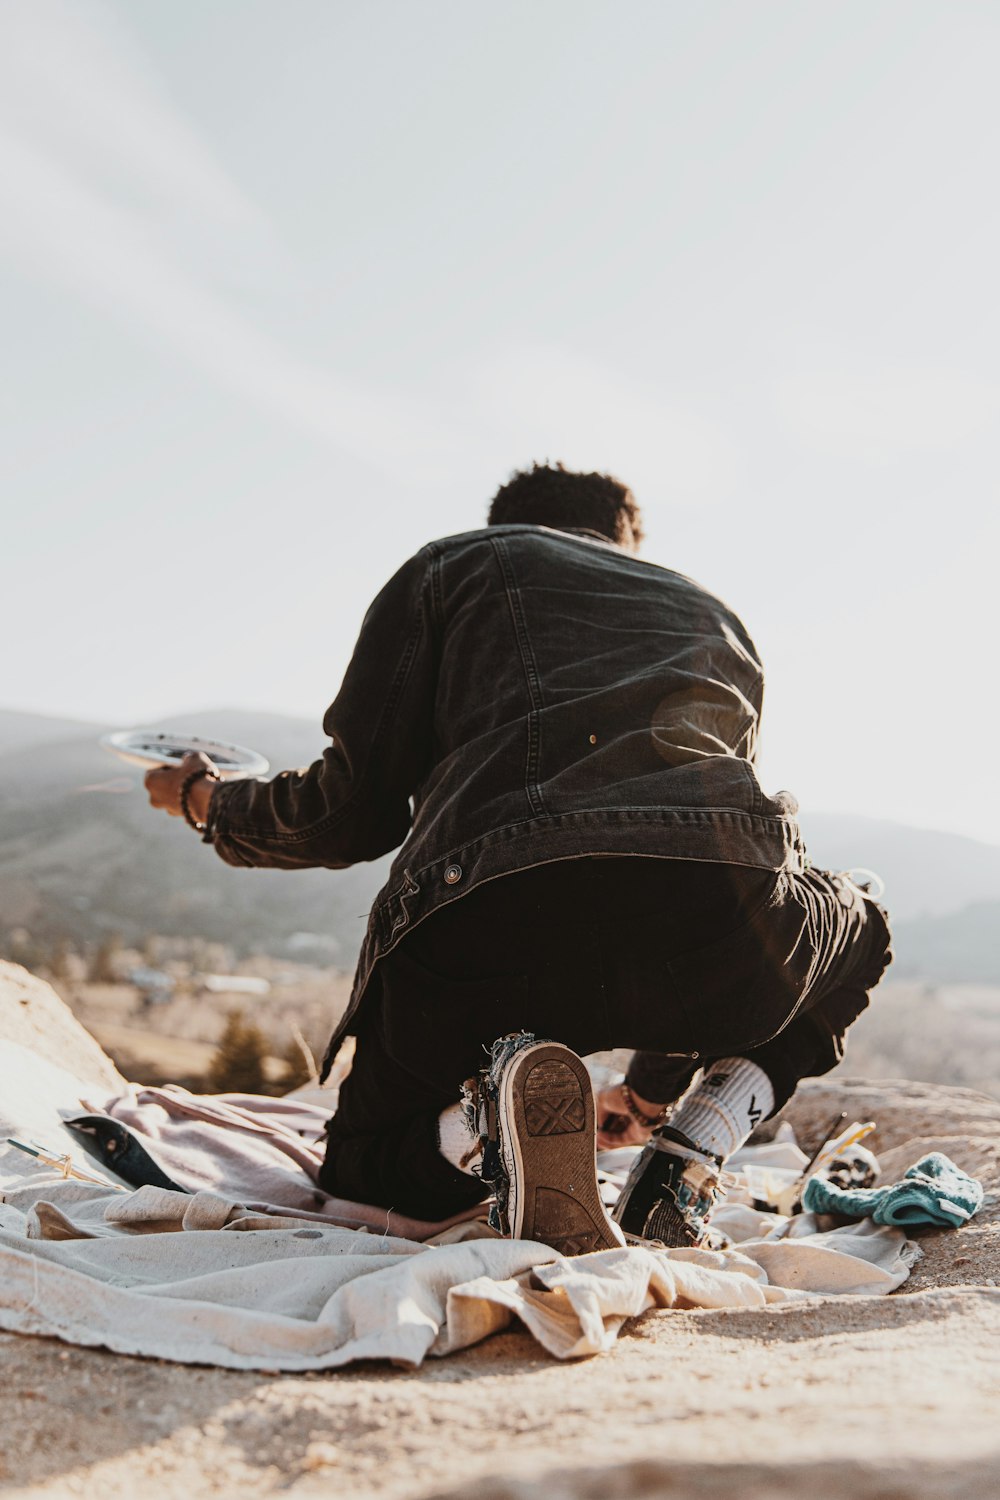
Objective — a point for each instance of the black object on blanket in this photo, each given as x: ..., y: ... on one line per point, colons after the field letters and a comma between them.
x: 118, y: 1148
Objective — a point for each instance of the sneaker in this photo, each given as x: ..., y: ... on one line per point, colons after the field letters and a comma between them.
x: 670, y: 1192
x: 540, y: 1152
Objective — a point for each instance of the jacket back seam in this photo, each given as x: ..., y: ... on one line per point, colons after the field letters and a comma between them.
x: 531, y: 676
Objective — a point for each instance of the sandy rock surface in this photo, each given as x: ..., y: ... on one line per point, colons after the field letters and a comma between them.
x: 875, y: 1399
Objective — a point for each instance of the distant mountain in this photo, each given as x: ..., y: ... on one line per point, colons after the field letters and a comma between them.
x: 19, y: 731
x: 82, y: 854
x: 926, y: 873
x: 284, y: 740
x: 960, y: 948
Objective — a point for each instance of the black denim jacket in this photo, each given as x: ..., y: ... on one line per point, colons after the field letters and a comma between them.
x: 519, y: 695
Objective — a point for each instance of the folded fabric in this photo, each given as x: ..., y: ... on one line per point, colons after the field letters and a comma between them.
x: 933, y: 1191
x: 199, y: 1279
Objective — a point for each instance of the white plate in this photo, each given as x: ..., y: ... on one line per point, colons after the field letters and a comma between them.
x: 167, y: 747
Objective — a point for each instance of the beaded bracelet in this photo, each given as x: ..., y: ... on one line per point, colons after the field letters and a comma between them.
x: 647, y: 1121
x: 186, y: 785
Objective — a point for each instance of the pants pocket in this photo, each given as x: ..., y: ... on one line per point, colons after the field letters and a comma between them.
x: 441, y: 1029
x: 741, y: 991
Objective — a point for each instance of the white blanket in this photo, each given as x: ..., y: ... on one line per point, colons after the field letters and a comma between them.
x: 200, y: 1278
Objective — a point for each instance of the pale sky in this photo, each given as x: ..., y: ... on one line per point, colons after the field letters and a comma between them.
x: 288, y: 287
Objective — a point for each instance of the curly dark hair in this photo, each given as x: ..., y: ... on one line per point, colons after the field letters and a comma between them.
x: 549, y: 495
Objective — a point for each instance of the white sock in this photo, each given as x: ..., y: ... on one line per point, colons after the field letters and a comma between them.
x: 457, y: 1141
x: 732, y: 1097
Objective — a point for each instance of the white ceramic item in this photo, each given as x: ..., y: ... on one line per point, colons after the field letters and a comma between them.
x: 168, y: 747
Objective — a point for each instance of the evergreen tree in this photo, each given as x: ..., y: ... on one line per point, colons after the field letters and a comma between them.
x: 104, y: 964
x: 238, y: 1064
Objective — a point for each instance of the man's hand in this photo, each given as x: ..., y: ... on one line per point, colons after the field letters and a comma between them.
x: 615, y: 1125
x: 163, y: 783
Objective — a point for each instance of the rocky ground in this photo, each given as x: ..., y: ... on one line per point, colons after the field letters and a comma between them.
x: 873, y: 1399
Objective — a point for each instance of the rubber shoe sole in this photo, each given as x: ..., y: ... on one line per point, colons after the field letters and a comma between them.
x: 548, y: 1146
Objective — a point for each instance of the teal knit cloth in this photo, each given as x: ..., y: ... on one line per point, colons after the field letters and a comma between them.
x: 933, y: 1191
